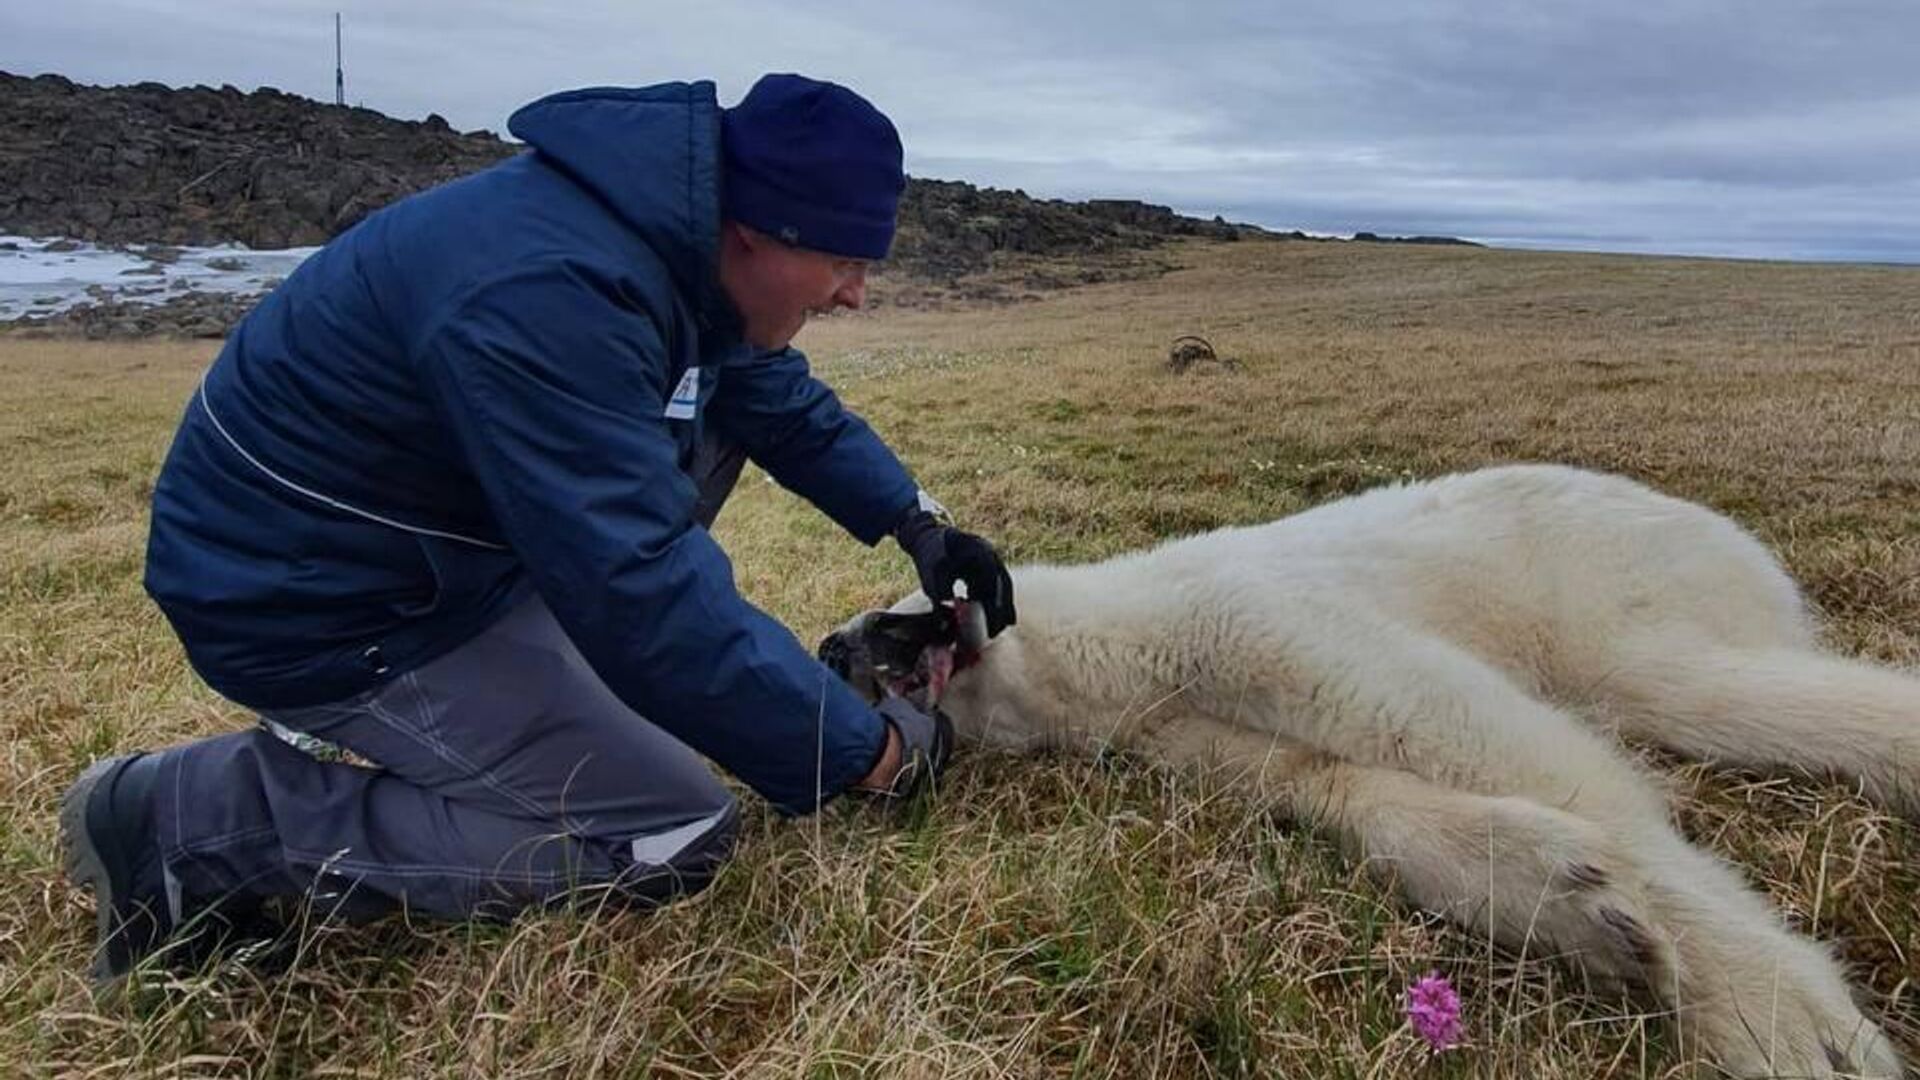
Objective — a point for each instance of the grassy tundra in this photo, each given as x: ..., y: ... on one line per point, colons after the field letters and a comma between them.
x: 1049, y: 918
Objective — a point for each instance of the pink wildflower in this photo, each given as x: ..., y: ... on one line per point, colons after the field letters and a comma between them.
x: 1433, y: 1008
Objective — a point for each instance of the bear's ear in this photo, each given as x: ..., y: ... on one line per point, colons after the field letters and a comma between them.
x: 919, y: 631
x: 837, y: 655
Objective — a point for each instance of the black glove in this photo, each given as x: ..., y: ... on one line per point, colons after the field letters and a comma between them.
x: 943, y: 555
x: 926, y: 742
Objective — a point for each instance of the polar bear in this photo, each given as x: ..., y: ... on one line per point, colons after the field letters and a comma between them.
x: 1433, y: 673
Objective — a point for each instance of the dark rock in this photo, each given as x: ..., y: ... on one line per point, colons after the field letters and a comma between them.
x: 1376, y: 238
x: 1449, y: 240
x: 193, y: 314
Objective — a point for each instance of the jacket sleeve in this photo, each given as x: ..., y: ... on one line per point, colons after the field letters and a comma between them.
x: 554, y: 387
x: 796, y: 429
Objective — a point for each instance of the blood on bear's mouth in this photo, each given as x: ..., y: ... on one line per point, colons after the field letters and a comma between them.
x: 912, y: 655
x: 938, y: 662
x: 927, y: 682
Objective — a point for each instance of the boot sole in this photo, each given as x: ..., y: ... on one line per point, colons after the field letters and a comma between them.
x: 86, y: 866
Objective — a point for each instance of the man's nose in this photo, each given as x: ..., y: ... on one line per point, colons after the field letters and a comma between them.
x: 853, y: 292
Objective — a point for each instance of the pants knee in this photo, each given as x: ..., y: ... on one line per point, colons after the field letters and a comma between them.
x: 679, y: 862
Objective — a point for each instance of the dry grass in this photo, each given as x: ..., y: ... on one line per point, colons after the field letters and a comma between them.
x: 1052, y: 918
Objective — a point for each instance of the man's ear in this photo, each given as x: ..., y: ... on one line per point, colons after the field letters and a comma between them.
x: 742, y: 237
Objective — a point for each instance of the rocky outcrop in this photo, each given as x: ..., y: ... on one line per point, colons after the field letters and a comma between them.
x: 148, y: 163
x: 1376, y: 238
x: 949, y: 229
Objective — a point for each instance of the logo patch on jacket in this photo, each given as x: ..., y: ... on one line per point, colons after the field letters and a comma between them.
x: 686, y: 397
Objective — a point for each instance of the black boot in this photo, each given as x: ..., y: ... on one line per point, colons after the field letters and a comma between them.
x: 107, y: 828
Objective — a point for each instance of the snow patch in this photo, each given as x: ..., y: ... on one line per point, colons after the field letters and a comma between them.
x: 41, y: 276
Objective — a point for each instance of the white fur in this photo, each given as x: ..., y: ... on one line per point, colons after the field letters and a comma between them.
x: 1432, y: 672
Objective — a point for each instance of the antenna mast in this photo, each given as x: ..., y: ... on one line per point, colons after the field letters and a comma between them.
x: 339, y: 73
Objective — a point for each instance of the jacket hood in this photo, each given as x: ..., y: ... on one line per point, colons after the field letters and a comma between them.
x: 652, y: 154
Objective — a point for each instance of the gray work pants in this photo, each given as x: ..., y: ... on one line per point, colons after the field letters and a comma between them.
x: 508, y: 776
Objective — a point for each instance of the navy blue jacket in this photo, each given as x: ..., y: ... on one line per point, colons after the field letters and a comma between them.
x: 484, y: 389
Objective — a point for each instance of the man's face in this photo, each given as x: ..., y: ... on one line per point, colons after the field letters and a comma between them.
x: 775, y: 286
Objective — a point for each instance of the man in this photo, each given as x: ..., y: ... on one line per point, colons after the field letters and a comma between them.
x: 443, y: 501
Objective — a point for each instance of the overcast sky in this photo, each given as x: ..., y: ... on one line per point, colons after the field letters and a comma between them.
x: 1753, y: 128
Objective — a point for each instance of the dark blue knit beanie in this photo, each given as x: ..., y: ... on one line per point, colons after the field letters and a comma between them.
x: 813, y: 164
